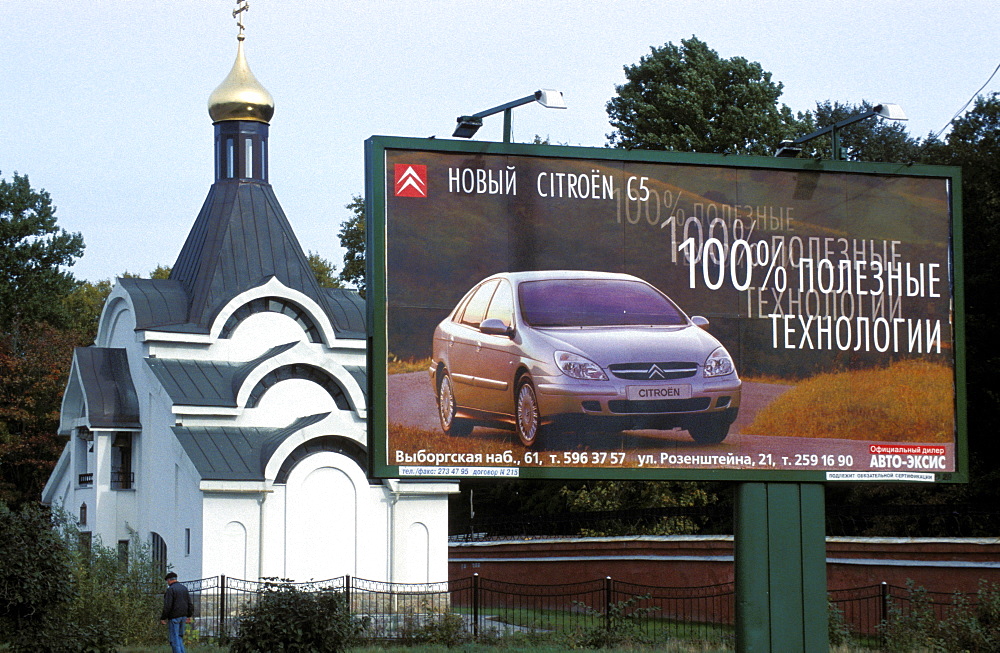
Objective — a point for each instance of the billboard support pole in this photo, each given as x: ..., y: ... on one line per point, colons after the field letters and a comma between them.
x: 780, y: 551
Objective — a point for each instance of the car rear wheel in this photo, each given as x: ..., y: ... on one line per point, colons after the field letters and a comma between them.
x: 447, y: 408
x: 710, y: 429
x: 528, y: 421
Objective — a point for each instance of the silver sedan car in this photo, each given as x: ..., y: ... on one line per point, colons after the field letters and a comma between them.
x: 579, y: 351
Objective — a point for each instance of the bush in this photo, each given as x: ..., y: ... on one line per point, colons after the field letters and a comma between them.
x: 435, y: 626
x: 967, y: 625
x: 121, y: 598
x: 35, y: 578
x: 58, y: 596
x: 285, y: 618
x: 621, y: 625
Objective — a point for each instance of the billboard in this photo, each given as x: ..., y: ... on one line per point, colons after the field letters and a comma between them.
x: 561, y: 312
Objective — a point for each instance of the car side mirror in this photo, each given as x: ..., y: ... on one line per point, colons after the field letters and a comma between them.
x: 495, y: 327
x: 700, y: 321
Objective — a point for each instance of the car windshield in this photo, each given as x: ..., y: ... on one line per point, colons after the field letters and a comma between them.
x: 595, y: 302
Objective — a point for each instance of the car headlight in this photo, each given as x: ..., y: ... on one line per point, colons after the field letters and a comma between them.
x: 578, y: 367
x: 719, y: 363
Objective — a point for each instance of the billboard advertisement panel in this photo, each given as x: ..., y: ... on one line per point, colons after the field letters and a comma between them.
x: 542, y: 311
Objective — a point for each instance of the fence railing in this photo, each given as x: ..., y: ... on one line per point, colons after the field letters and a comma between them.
x: 491, y: 608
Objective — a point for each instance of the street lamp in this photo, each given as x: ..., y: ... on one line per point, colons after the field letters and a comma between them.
x: 790, y: 148
x: 469, y: 125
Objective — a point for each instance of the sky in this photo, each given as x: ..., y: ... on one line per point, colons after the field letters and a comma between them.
x: 104, y: 103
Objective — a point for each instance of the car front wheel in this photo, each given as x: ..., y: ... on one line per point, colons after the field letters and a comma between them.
x: 710, y: 429
x: 450, y: 424
x: 527, y: 418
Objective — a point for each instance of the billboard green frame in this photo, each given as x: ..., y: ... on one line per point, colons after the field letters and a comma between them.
x: 378, y: 187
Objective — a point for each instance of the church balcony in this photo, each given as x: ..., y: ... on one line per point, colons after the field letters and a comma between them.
x: 122, y: 480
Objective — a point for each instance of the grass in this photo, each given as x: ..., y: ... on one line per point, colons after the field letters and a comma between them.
x: 909, y: 401
x: 411, y: 439
x: 399, y: 366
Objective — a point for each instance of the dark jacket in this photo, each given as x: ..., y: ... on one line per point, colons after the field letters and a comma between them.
x: 176, y: 602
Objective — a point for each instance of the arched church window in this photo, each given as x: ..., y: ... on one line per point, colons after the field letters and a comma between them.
x: 299, y: 371
x: 158, y: 549
x: 272, y: 305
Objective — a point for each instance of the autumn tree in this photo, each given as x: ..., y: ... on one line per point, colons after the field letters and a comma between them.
x: 36, y: 338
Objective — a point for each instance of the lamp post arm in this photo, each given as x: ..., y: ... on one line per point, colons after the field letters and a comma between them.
x: 835, y: 126
x: 505, y: 107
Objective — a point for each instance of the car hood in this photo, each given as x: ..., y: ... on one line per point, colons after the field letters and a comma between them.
x: 608, y: 345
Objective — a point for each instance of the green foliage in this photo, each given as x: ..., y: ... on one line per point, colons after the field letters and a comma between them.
x: 687, y: 98
x: 837, y: 631
x: 57, y: 596
x: 32, y: 252
x: 435, y: 626
x: 84, y: 305
x: 353, y: 240
x: 620, y: 626
x: 324, y: 271
x: 868, y: 140
x: 121, y: 598
x: 286, y: 618
x: 974, y: 626
x: 601, y: 496
x: 965, y: 625
x: 35, y: 576
x: 974, y: 144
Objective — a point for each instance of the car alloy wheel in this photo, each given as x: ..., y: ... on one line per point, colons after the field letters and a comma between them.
x: 450, y: 424
x: 527, y: 416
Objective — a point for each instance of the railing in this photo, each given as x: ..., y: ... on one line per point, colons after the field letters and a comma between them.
x: 489, y: 608
x: 122, y: 480
x: 85, y: 480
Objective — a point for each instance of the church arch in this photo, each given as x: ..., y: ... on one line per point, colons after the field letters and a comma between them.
x: 323, y: 514
x: 273, y: 305
x: 331, y: 443
x: 304, y: 372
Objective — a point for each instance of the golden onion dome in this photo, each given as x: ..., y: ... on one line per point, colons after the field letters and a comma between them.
x: 240, y: 96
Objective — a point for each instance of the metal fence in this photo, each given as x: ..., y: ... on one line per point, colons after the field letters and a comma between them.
x: 486, y: 609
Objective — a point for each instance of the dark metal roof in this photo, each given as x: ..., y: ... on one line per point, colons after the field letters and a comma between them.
x: 240, y: 239
x: 206, y: 382
x: 346, y: 309
x: 158, y: 303
x: 234, y: 453
x: 107, y: 388
x: 360, y: 374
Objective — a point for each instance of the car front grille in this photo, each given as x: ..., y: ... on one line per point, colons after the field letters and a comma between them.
x: 623, y: 406
x: 653, y: 371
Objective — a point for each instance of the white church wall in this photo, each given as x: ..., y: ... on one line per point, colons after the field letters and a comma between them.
x: 333, y: 524
x: 231, y: 534
x: 420, y: 530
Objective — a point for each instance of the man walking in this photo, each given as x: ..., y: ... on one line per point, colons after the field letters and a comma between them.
x: 177, y: 610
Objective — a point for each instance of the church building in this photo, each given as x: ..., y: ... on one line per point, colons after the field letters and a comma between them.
x: 220, y: 415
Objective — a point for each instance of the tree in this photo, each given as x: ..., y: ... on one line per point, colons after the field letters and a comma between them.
x: 624, y: 496
x: 35, y: 577
x: 324, y: 270
x: 866, y: 140
x: 687, y: 98
x: 353, y: 239
x: 974, y: 144
x: 32, y: 252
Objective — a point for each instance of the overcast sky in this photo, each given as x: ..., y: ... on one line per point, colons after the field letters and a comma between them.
x: 104, y: 104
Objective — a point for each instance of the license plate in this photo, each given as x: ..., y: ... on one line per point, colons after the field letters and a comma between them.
x: 657, y: 392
